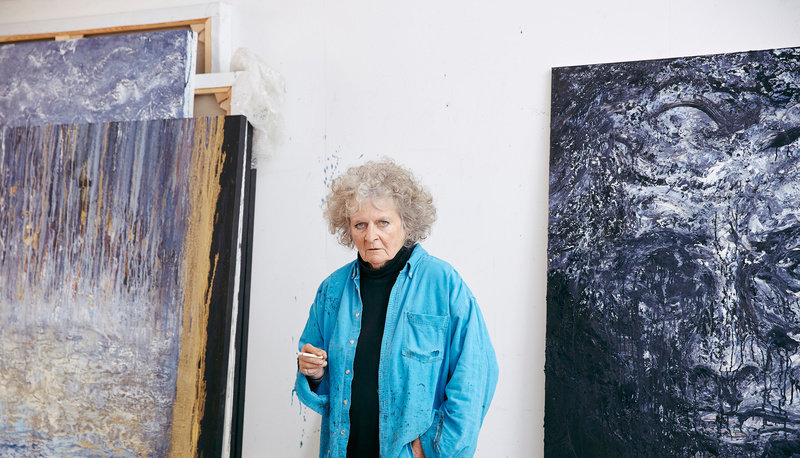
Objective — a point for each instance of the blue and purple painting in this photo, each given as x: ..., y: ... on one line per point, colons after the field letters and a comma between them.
x: 117, y: 253
x: 126, y: 77
x: 673, y: 302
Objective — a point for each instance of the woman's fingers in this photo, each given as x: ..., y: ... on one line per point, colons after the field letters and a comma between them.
x: 416, y: 447
x: 313, y: 366
x: 311, y: 363
x: 308, y: 348
x: 312, y: 370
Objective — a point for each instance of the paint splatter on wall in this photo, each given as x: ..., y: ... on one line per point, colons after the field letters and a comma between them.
x: 112, y: 78
x: 674, y: 258
x: 111, y: 275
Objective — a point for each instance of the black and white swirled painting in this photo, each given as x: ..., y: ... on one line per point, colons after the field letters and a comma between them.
x: 673, y: 302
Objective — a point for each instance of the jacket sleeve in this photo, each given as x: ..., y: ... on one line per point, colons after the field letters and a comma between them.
x: 316, y: 400
x: 472, y: 380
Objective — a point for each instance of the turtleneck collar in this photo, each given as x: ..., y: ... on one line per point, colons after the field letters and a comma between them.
x: 395, y: 265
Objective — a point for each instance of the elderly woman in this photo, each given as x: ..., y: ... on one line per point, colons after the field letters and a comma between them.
x: 395, y: 354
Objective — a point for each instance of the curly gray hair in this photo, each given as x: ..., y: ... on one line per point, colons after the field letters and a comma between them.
x: 376, y: 180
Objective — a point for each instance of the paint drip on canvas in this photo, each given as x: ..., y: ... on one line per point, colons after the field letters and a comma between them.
x: 106, y: 266
x: 673, y: 321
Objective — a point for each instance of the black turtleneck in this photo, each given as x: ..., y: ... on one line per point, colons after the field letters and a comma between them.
x: 376, y: 287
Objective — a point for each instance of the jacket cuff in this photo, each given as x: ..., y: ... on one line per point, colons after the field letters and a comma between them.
x: 316, y: 402
x: 430, y: 439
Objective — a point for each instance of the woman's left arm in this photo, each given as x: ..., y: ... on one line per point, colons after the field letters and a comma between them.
x: 473, y: 378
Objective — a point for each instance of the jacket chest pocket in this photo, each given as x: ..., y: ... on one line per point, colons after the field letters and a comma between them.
x: 425, y: 336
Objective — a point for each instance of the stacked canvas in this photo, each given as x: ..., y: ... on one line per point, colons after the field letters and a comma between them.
x: 124, y: 237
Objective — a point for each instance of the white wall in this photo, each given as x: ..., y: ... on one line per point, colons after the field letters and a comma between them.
x: 457, y: 90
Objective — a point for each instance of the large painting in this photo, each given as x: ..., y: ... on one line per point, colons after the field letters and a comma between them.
x: 673, y: 302
x: 126, y: 77
x: 123, y: 247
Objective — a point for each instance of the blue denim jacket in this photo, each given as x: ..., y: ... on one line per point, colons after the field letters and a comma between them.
x: 437, y: 371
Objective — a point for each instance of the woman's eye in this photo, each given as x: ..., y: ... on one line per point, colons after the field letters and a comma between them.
x: 359, y: 226
x: 384, y: 223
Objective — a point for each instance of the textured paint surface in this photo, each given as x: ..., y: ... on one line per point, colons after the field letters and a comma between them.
x: 191, y: 395
x: 104, y: 284
x: 113, y: 78
x: 674, y: 258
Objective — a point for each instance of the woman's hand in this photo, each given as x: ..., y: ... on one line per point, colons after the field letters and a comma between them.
x: 416, y: 447
x: 311, y: 366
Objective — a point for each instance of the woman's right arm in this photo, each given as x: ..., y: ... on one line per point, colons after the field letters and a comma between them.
x: 315, y: 396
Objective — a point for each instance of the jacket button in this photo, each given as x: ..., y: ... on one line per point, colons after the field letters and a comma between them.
x: 345, y: 402
x: 351, y: 342
x: 357, y: 314
x: 342, y: 431
x: 347, y: 371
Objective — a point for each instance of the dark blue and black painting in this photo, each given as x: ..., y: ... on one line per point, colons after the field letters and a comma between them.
x: 673, y: 302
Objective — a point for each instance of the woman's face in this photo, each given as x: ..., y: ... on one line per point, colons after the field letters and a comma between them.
x: 377, y: 231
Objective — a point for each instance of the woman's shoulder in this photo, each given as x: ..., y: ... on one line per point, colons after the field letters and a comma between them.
x: 427, y: 264
x: 339, y: 276
x: 441, y: 278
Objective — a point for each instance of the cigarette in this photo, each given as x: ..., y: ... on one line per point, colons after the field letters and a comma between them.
x: 311, y: 355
